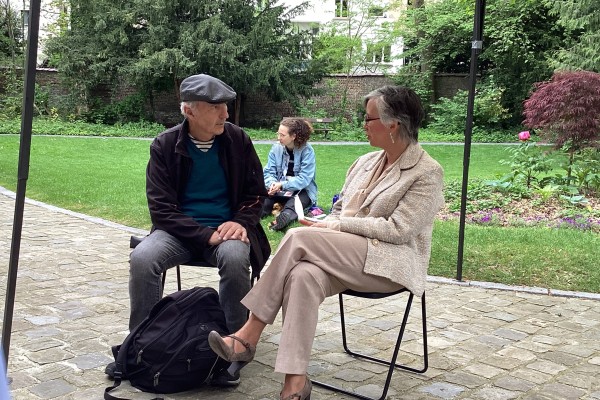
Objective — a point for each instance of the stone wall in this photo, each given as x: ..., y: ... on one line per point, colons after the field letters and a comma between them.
x: 260, y: 111
x: 446, y: 85
x: 257, y: 109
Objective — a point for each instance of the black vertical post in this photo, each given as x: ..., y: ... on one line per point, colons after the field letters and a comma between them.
x: 23, y: 171
x: 476, y: 46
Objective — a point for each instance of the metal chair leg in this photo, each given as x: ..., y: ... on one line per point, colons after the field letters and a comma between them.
x: 392, y: 363
x: 164, y: 278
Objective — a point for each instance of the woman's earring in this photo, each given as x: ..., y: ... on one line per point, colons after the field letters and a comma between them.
x: 392, y: 137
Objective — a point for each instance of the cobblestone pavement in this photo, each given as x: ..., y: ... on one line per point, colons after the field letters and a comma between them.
x: 484, y: 343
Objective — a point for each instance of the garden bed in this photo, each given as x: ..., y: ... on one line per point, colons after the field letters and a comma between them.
x: 552, y: 213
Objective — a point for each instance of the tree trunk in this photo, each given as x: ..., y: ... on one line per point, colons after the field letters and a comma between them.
x: 11, y: 34
x: 238, y: 106
x: 176, y: 88
x: 426, y: 53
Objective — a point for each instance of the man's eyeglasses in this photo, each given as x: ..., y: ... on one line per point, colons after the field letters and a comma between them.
x: 367, y: 119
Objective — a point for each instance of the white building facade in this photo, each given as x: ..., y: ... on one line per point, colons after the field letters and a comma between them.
x: 366, y: 19
x: 50, y: 13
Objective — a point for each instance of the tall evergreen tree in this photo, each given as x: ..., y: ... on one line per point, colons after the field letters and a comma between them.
x: 10, y: 35
x: 583, y: 18
x: 156, y: 43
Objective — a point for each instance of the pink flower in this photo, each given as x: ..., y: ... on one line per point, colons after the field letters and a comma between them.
x: 523, y: 136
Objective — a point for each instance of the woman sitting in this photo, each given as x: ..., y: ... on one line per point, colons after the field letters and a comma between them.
x: 290, y: 172
x: 377, y: 239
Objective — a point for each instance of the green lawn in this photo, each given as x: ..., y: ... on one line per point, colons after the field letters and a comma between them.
x: 105, y: 177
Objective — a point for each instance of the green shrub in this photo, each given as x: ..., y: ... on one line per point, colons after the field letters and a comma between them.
x: 130, y: 109
x: 53, y: 126
x: 449, y: 116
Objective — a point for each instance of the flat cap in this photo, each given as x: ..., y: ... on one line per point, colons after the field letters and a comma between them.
x: 205, y: 88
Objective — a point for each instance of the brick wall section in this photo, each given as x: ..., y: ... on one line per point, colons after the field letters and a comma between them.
x: 257, y: 109
x: 446, y: 85
x: 48, y: 79
x: 260, y: 111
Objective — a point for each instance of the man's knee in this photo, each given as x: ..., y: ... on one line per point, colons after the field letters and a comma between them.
x: 143, y: 263
x: 139, y: 262
x: 234, y: 255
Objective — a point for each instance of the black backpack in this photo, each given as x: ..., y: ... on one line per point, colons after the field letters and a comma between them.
x: 169, y: 352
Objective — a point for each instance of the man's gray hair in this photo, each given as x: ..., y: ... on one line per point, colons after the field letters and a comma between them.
x: 190, y: 104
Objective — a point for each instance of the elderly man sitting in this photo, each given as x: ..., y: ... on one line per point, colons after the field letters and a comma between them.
x: 205, y: 190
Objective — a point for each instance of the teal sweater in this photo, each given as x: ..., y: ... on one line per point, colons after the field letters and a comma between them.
x: 206, y: 198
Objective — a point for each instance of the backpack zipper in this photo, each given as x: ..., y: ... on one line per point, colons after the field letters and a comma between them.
x: 174, y: 357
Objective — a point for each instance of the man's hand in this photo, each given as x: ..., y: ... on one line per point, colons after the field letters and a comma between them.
x: 215, y: 239
x: 232, y: 231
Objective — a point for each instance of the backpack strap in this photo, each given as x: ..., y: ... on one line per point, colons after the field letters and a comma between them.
x: 108, y: 396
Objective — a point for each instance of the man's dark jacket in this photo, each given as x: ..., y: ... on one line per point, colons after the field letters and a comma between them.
x: 167, y: 174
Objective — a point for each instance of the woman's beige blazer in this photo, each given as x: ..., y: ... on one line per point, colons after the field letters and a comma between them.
x: 396, y: 217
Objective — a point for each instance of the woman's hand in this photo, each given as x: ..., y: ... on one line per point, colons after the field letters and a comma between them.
x: 313, y: 224
x: 275, y: 187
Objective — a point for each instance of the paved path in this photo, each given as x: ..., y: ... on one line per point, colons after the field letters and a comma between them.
x: 72, y: 305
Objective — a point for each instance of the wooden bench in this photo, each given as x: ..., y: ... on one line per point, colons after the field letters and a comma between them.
x: 320, y: 125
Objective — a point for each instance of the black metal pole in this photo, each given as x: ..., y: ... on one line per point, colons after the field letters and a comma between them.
x: 23, y: 172
x: 476, y: 46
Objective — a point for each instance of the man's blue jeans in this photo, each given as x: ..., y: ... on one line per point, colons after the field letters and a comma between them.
x: 160, y: 251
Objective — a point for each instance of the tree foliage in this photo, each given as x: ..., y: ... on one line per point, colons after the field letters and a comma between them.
x: 520, y: 37
x: 358, y: 43
x: 154, y: 44
x: 441, y: 30
x: 582, y: 17
x: 10, y: 35
x: 520, y: 40
x: 566, y: 109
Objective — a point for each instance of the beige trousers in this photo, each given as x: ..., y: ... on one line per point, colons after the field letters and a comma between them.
x: 309, y: 265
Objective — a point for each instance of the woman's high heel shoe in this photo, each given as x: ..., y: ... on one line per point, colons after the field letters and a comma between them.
x: 227, y: 352
x: 304, y: 394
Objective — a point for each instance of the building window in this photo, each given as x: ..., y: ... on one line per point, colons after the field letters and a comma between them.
x: 376, y: 11
x: 341, y: 8
x: 25, y: 19
x: 377, y: 53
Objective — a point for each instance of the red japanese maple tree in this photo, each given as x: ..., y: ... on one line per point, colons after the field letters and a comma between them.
x: 566, y: 109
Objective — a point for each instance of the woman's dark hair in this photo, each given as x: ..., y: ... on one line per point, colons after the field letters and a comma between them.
x: 299, y: 127
x: 402, y: 104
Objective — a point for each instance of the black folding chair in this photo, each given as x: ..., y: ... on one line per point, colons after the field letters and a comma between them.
x: 390, y: 363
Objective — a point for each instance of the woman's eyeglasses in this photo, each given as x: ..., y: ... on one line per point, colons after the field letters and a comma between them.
x: 367, y: 119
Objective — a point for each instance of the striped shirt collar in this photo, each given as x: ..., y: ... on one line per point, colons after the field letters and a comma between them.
x: 201, y: 145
